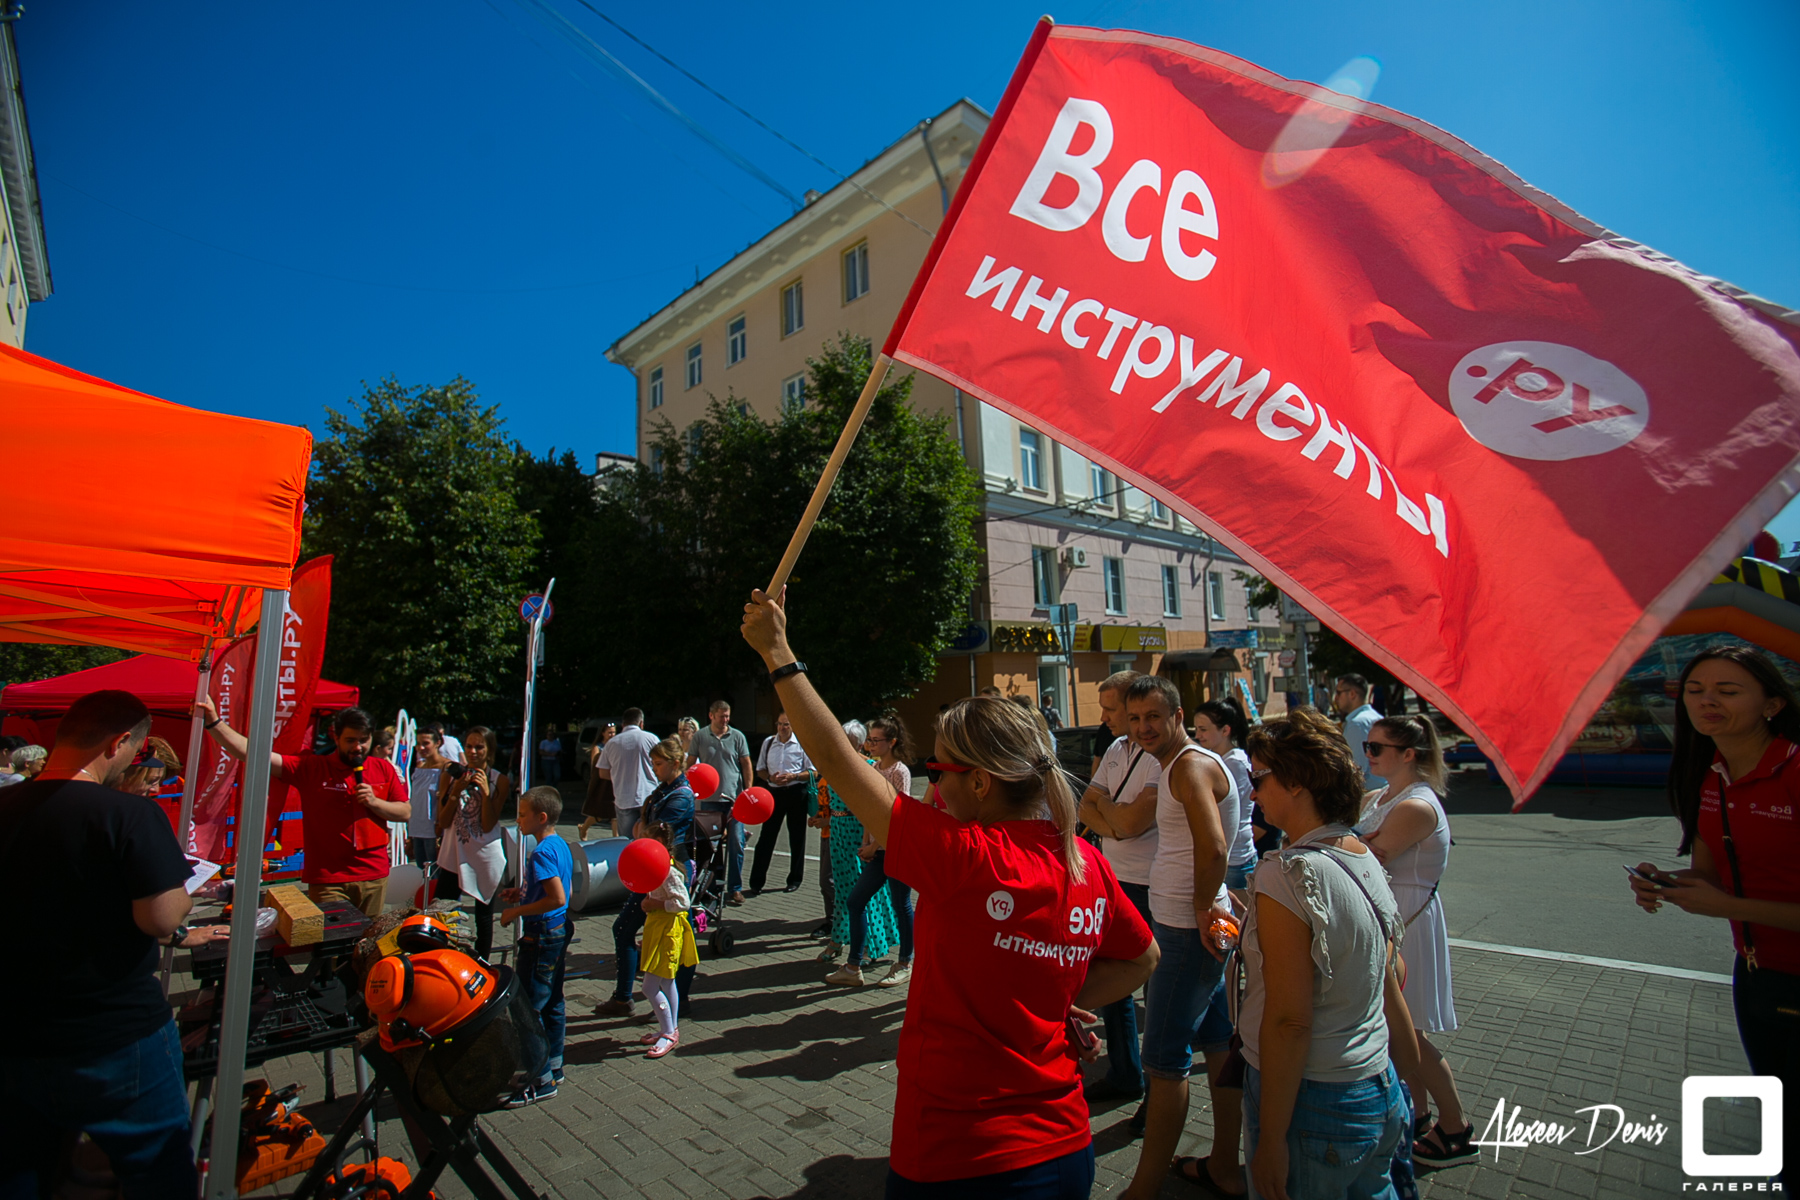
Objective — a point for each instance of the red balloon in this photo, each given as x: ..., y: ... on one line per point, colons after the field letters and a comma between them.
x: 644, y: 865
x: 704, y: 780
x: 754, y: 806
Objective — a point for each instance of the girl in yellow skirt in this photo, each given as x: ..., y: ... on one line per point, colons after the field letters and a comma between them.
x: 668, y: 946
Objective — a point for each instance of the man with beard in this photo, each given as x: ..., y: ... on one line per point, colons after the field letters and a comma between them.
x: 92, y: 1045
x: 347, y: 798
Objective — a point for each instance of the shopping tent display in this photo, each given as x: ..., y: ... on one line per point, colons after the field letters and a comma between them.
x: 141, y: 524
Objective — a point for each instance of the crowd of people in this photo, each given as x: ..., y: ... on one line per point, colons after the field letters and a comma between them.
x: 1272, y: 890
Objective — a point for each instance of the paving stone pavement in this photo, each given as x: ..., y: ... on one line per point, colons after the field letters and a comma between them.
x: 783, y: 1086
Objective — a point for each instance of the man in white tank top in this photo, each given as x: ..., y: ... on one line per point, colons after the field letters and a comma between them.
x: 1196, y: 803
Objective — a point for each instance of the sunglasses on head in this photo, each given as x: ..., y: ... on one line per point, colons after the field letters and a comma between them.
x: 934, y: 771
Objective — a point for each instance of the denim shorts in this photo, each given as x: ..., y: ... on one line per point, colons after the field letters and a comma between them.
x: 1237, y: 879
x: 1178, y: 1001
x: 1341, y: 1139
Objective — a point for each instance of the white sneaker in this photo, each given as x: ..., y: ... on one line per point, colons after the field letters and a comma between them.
x: 901, y: 972
x: 848, y: 975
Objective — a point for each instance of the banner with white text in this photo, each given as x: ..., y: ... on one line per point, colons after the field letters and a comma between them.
x: 1494, y: 445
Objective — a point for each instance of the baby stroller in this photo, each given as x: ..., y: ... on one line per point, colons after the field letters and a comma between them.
x: 712, y: 848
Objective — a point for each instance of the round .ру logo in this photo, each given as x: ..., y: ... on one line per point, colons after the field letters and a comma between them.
x: 1546, y: 401
x: 1000, y: 905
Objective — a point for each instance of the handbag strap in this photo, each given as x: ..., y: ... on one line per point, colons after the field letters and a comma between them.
x: 1737, y: 875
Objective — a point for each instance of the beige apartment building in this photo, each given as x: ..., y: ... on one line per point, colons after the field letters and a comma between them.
x: 1152, y: 590
x: 24, y: 260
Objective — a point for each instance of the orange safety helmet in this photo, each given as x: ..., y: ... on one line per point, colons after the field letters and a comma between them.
x: 421, y: 932
x: 423, y: 998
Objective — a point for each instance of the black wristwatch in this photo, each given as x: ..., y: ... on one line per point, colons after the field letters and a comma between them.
x: 788, y: 672
x: 179, y: 936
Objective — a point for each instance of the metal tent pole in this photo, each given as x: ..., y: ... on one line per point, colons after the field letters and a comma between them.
x: 184, y: 828
x: 234, y: 1027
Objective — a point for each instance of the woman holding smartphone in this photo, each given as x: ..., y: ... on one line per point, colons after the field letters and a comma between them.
x: 472, y: 857
x: 1734, y: 783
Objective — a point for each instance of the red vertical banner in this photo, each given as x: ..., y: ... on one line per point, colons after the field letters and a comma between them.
x: 302, y: 649
x: 216, y: 774
x: 1494, y: 445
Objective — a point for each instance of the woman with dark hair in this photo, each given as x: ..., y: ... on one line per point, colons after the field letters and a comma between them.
x: 1317, y: 1042
x: 892, y: 749
x: 472, y: 850
x: 1407, y: 829
x: 1021, y: 927
x: 1219, y: 726
x: 597, y: 806
x: 1734, y: 783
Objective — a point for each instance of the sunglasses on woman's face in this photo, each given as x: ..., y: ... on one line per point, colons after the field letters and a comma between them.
x: 1374, y: 749
x: 934, y: 771
x: 1256, y: 778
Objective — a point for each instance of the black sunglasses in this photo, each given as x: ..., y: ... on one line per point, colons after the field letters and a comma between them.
x: 934, y: 771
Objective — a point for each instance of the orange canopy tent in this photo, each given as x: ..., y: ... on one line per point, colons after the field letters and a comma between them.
x: 137, y: 523
x: 129, y: 521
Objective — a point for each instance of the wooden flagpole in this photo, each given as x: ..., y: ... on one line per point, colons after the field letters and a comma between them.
x: 827, y: 477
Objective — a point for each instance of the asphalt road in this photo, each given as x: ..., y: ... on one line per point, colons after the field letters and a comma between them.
x: 1549, y: 877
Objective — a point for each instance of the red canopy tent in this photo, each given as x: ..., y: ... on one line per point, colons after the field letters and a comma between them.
x: 91, y: 554
x: 167, y: 685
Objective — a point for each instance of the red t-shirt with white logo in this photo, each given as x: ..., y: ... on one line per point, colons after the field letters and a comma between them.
x: 987, y: 1079
x: 344, y: 844
x: 1767, y: 840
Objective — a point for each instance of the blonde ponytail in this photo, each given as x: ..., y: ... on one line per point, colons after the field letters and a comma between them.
x: 1006, y: 741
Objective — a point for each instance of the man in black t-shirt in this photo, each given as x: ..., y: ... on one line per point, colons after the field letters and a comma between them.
x: 90, y: 1044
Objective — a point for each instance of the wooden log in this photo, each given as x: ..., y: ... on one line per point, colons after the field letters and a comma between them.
x: 300, y: 922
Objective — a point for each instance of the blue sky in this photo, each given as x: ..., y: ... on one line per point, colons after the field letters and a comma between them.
x: 431, y: 189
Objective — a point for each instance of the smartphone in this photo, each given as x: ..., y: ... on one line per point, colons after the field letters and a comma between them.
x: 1080, y: 1036
x: 1657, y: 878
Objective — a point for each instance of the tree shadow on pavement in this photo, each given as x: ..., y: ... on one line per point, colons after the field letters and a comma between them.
x: 840, y: 1176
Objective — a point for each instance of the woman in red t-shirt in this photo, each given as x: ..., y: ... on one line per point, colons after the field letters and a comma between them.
x: 1735, y: 784
x: 1020, y: 925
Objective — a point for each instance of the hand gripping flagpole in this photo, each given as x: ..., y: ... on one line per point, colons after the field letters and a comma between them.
x: 827, y: 477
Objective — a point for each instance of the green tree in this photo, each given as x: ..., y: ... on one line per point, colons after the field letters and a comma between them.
x: 414, y: 493
x: 26, y: 662
x: 562, y: 500
x: 883, y: 584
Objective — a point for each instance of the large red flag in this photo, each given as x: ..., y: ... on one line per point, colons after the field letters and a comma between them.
x: 302, y: 644
x: 1494, y: 445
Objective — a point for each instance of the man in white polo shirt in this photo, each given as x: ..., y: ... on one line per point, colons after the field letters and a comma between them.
x: 1126, y: 773
x: 626, y: 762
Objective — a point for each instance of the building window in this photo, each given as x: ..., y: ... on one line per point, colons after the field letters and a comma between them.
x: 693, y: 365
x: 1031, y: 460
x: 1043, y: 576
x: 856, y: 272
x: 737, y: 342
x: 793, y: 309
x: 656, y: 392
x: 1171, y: 579
x: 696, y: 435
x: 793, y: 394
x: 1158, y: 510
x: 1100, y: 483
x: 1113, y: 575
x: 1252, y: 614
x: 1215, y: 595
x: 656, y: 461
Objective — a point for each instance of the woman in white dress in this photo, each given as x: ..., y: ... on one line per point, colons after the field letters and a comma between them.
x: 1404, y: 824
x: 472, y: 854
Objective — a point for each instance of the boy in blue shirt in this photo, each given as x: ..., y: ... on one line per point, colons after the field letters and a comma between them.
x: 544, y: 944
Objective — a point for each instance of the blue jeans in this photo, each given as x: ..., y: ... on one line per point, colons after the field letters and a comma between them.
x: 627, y: 819
x: 1124, y: 1069
x: 1179, y: 997
x: 1066, y: 1177
x: 1342, y: 1137
x: 132, y: 1102
x: 874, y: 875
x: 543, y: 956
x: 550, y: 770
